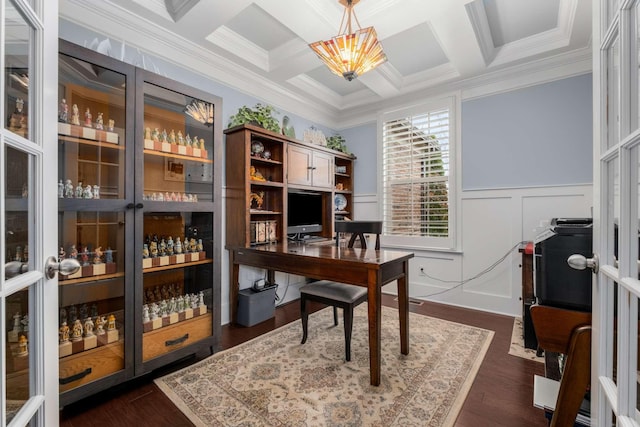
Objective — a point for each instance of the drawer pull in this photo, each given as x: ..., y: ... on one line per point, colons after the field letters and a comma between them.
x: 75, y: 377
x: 177, y: 341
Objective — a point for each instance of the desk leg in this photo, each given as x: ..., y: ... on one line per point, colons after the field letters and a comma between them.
x: 233, y: 288
x: 375, y: 318
x: 403, y: 308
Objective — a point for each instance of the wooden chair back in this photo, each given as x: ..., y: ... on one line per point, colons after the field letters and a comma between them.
x: 568, y: 332
x: 358, y: 229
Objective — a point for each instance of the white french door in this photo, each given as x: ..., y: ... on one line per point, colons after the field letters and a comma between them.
x: 28, y: 212
x: 616, y: 151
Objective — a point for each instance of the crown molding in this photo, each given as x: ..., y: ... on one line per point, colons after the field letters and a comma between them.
x: 116, y: 23
x: 532, y: 73
x: 229, y: 40
x: 480, y: 24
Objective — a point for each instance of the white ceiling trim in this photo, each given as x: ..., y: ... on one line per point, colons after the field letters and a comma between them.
x: 528, y: 74
x: 232, y: 42
x: 156, y: 6
x: 312, y: 87
x: 480, y: 23
x: 118, y: 24
x: 556, y: 38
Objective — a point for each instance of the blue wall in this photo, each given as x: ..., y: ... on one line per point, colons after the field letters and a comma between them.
x: 537, y: 136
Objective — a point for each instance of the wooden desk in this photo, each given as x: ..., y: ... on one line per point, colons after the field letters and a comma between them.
x: 368, y: 268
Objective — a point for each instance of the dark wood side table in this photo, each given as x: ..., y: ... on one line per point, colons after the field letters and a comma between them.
x: 528, y: 298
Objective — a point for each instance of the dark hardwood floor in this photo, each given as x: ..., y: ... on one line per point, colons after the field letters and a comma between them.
x: 501, y: 395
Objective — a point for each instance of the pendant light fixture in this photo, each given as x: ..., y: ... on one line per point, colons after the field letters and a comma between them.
x: 351, y: 53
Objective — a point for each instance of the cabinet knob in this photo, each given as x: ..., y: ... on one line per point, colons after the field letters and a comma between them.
x: 130, y: 206
x: 139, y: 206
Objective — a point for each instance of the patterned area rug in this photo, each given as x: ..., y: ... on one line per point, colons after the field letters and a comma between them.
x: 517, y: 347
x: 274, y: 380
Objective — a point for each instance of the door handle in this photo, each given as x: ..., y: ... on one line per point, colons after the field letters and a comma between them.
x: 65, y: 267
x: 580, y: 262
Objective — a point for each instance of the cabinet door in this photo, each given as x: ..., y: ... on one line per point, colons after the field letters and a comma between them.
x: 322, y: 170
x: 94, y: 222
x: 175, y: 227
x: 299, y: 164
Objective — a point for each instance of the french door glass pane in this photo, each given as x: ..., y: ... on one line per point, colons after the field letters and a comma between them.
x: 17, y: 46
x: 613, y: 94
x: 612, y: 169
x: 91, y: 300
x: 17, y: 215
x: 17, y: 357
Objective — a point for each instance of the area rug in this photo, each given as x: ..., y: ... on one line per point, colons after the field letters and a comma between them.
x: 517, y: 347
x: 274, y: 380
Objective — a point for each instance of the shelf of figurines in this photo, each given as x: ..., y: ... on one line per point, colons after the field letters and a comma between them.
x: 87, y: 135
x: 103, y: 270
x: 86, y: 335
x: 168, y: 262
x: 156, y: 315
x: 156, y: 142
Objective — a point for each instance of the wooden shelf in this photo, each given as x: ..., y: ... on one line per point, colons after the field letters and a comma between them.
x: 91, y: 278
x: 267, y: 183
x: 267, y: 161
x: 177, y: 156
x: 102, y: 144
x: 263, y: 212
x: 175, y: 266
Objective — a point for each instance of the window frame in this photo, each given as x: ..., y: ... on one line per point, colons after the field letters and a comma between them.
x: 452, y: 102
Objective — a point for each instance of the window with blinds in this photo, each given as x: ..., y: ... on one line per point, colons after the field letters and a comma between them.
x: 416, y: 170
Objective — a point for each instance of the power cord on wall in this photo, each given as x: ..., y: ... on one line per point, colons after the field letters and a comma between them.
x: 480, y: 274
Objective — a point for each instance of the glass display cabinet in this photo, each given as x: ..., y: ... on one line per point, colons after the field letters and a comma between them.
x: 95, y: 220
x: 139, y: 196
x: 179, y: 132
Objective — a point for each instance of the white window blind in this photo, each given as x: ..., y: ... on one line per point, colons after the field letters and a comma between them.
x: 416, y: 175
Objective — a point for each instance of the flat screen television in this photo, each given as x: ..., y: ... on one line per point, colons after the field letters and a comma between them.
x: 304, y: 212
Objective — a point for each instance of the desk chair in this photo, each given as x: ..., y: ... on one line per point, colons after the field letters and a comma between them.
x: 338, y: 294
x: 568, y: 332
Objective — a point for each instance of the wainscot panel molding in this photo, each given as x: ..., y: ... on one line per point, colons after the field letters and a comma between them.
x: 493, y: 222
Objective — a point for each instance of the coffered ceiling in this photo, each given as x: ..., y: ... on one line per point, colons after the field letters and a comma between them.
x: 260, y: 47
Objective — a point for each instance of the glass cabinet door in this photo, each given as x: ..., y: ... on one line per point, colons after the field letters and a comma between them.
x: 94, y: 210
x: 177, y: 230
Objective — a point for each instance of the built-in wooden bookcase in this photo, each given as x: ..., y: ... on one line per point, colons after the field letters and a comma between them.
x: 262, y: 167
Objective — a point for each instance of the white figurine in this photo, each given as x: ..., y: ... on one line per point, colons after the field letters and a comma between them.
x: 96, y: 191
x: 75, y: 115
x: 88, y: 327
x: 63, y: 113
x: 60, y: 189
x: 145, y: 313
x: 16, y: 323
x: 79, y: 190
x: 25, y: 323
x: 68, y: 189
x: 200, y: 299
x: 100, y: 122
x: 88, y: 192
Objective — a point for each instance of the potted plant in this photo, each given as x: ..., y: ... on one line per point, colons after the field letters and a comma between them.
x: 338, y: 143
x: 261, y: 116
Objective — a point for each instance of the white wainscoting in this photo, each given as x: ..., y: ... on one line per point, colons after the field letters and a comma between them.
x: 493, y: 222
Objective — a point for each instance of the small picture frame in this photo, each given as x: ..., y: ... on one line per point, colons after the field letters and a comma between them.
x: 174, y: 170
